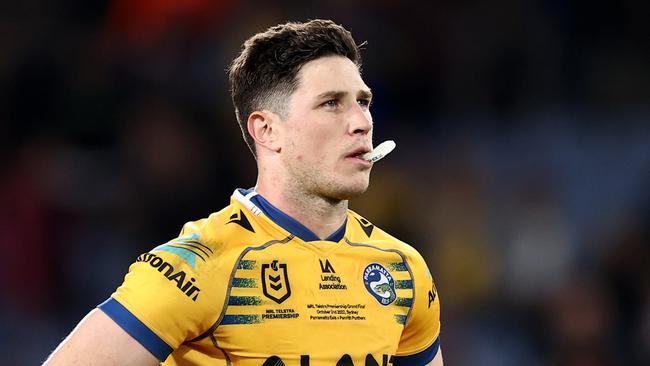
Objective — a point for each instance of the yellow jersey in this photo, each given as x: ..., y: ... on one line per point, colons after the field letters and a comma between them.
x: 251, y: 286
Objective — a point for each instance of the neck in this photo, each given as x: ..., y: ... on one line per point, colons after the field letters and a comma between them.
x: 318, y: 214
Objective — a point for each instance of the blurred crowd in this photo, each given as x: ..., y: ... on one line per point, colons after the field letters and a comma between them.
x: 522, y: 169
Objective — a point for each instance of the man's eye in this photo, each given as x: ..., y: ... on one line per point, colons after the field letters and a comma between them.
x: 332, y: 103
x: 364, y: 102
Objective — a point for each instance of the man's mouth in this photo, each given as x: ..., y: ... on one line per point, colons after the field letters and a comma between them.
x: 358, y: 153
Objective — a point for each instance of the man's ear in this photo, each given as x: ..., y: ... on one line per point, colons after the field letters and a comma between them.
x: 263, y: 126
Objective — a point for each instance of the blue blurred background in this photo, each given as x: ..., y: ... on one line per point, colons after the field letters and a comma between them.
x: 521, y: 173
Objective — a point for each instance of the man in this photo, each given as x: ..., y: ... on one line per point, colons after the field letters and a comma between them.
x: 286, y: 274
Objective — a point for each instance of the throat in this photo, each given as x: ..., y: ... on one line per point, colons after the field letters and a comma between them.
x: 322, y: 217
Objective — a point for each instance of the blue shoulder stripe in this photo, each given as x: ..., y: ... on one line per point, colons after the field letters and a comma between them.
x: 419, y: 359
x: 136, y: 329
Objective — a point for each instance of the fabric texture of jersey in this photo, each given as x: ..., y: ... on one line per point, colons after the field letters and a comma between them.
x: 251, y: 286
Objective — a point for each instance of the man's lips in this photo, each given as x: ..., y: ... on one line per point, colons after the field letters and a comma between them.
x: 357, y: 156
x: 358, y: 152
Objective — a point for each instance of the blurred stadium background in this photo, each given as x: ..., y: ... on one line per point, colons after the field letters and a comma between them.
x: 521, y: 173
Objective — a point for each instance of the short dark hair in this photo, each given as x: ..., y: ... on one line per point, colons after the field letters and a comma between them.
x: 265, y: 73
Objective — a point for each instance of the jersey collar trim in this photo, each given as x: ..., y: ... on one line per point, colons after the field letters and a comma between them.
x: 256, y: 203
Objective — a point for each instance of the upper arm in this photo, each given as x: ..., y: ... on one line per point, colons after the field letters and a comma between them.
x: 159, y: 306
x: 98, y: 340
x: 420, y: 343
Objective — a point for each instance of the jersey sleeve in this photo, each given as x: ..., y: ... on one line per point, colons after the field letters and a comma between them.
x: 164, y: 299
x: 420, y: 341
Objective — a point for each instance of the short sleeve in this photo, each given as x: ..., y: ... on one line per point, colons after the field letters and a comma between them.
x: 164, y: 299
x: 420, y: 342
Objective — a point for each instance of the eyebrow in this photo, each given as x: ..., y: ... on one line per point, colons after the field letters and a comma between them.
x: 337, y: 94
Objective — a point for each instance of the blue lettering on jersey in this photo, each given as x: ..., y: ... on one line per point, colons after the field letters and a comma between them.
x: 379, y: 283
x: 167, y: 269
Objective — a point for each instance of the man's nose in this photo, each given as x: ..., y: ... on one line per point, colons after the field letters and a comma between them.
x: 360, y: 120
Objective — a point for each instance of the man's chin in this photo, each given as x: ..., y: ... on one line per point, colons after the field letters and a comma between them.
x: 351, y: 191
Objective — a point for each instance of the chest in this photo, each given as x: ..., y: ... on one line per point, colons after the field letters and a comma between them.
x: 310, y: 308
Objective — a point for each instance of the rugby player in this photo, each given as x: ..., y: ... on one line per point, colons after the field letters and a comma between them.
x: 286, y: 274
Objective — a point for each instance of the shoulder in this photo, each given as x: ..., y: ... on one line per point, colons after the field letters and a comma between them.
x: 213, y: 241
x: 221, y: 231
x: 364, y: 232
x: 178, y: 288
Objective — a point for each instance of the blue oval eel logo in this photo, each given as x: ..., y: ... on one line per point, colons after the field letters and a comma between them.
x: 379, y: 283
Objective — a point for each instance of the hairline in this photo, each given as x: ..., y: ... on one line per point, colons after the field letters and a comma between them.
x: 279, y: 99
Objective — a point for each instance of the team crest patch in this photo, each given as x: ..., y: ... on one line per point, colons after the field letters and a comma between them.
x: 379, y: 283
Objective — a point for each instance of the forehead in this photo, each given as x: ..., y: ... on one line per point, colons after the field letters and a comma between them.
x: 330, y: 73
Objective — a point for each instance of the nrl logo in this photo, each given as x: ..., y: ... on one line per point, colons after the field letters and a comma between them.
x: 275, y: 281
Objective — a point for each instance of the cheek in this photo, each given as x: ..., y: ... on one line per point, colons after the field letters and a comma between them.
x: 310, y: 146
x: 313, y: 145
x: 303, y: 150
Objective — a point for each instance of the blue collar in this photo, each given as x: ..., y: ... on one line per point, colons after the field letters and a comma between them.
x: 289, y: 223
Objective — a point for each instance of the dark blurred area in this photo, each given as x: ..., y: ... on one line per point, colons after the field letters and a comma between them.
x: 522, y: 171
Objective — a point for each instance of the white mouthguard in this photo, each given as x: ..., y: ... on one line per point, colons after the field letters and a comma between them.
x: 380, y: 151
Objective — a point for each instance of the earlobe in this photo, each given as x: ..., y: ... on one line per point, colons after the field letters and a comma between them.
x: 263, y: 127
